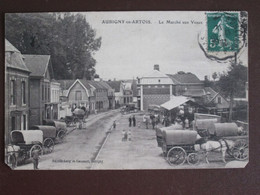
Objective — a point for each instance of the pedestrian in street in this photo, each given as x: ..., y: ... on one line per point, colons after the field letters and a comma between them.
x: 134, y: 120
x: 129, y: 135
x: 36, y: 157
x: 186, y: 123
x: 114, y: 124
x: 124, y: 133
x: 130, y: 121
x: 153, y: 122
x: 146, y: 122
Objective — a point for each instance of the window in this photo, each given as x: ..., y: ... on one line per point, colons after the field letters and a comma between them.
x: 42, y: 92
x: 78, y: 95
x: 24, y: 122
x: 13, y: 123
x: 219, y: 100
x: 48, y: 93
x: 12, y: 90
x: 23, y: 93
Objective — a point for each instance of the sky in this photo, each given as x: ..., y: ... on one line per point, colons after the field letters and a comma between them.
x: 130, y: 50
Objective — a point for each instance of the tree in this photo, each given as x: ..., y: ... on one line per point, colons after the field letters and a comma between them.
x: 68, y: 38
x: 232, y: 83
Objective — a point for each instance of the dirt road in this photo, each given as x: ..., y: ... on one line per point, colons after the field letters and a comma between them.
x: 80, y: 145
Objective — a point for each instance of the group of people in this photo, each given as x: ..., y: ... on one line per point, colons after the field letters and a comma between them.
x: 131, y: 120
x: 151, y: 118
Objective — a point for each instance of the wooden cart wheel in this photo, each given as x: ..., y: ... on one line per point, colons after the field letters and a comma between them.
x: 240, y: 150
x: 193, y: 159
x: 48, y: 145
x: 61, y: 135
x: 36, y: 147
x: 176, y: 156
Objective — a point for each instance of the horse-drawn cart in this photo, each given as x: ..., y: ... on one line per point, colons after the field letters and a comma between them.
x: 231, y: 131
x: 78, y: 116
x: 51, y: 135
x: 177, y: 144
x: 181, y: 145
x: 61, y: 129
x: 23, y: 144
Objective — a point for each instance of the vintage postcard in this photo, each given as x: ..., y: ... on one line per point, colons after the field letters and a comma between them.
x: 126, y: 90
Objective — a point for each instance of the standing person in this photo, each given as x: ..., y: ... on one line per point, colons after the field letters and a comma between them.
x: 153, y: 122
x: 134, y: 120
x: 130, y: 121
x: 36, y: 157
x: 146, y: 122
x: 114, y: 124
x: 186, y: 123
x: 163, y: 120
x: 167, y: 121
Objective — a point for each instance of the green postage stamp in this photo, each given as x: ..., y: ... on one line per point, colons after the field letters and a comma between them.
x: 223, y: 32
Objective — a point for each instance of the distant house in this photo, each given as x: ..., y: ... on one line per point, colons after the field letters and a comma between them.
x: 54, y: 100
x: 110, y: 94
x: 100, y: 94
x: 215, y: 102
x: 130, y: 91
x: 118, y: 91
x: 78, y: 92
x: 40, y: 106
x: 16, y: 90
x: 186, y: 83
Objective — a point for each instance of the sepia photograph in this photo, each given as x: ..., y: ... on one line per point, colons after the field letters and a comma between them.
x: 126, y: 90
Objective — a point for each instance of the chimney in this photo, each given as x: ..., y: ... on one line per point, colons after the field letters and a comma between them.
x: 156, y: 67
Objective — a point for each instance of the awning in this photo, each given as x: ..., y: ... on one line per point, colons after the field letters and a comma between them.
x: 175, y: 101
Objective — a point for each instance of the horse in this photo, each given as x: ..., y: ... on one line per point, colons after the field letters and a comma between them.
x: 222, y: 145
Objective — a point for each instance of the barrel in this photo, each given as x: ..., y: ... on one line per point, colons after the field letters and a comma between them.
x: 179, y: 137
x: 205, y: 123
x: 224, y: 129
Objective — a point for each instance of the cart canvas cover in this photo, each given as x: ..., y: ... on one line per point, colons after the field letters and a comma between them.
x: 27, y: 137
x: 179, y: 137
x: 48, y: 131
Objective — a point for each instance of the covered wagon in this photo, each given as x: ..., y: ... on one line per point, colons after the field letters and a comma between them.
x: 202, y: 123
x: 159, y: 132
x: 231, y: 131
x: 61, y: 128
x: 59, y: 125
x: 23, y: 144
x: 49, y: 136
x: 177, y: 144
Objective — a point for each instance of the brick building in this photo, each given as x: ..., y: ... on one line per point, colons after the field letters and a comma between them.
x: 101, y: 95
x: 16, y: 91
x: 157, y: 88
x: 39, y: 83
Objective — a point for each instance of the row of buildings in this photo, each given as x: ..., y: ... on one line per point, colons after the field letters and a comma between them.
x: 156, y: 88
x: 32, y: 94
